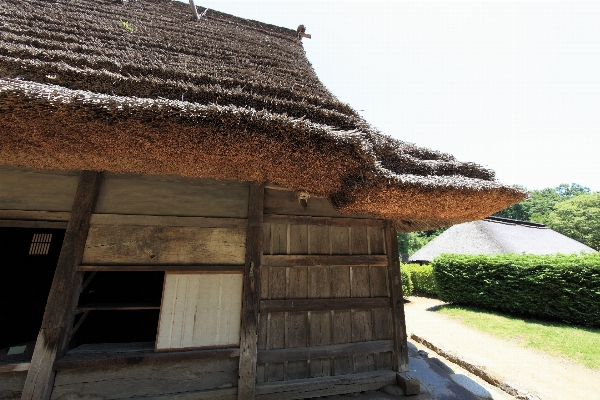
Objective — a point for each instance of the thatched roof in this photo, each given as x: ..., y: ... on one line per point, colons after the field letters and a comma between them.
x: 495, y: 235
x: 141, y: 86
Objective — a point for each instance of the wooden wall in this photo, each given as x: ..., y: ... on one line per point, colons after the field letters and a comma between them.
x: 24, y: 189
x: 290, y: 236
x: 145, y: 220
x: 325, y: 308
x: 190, y: 379
x: 153, y: 223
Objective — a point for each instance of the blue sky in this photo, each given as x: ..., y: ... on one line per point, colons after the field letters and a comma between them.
x: 514, y: 86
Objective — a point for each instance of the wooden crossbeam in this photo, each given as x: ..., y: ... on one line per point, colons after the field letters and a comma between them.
x: 332, y: 350
x: 324, y: 260
x: 353, y: 303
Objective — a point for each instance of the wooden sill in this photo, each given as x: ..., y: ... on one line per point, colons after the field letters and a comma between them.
x: 15, y: 367
x: 140, y: 353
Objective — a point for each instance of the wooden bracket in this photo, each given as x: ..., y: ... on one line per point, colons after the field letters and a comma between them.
x: 408, y: 383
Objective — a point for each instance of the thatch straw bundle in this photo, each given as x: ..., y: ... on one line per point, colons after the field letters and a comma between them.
x: 143, y: 87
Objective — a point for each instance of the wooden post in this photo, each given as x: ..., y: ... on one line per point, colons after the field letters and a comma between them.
x: 251, y: 294
x: 400, y: 345
x: 53, y: 338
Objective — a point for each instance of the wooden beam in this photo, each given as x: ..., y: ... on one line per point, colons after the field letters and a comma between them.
x: 344, y: 303
x: 329, y: 221
x: 310, y: 260
x: 168, y: 220
x: 400, y: 360
x: 324, y: 386
x: 181, y: 269
x: 17, y: 223
x: 53, y: 337
x: 333, y: 350
x: 408, y: 383
x: 251, y: 293
x: 149, y: 357
x: 35, y: 215
x: 15, y: 367
x: 116, y: 307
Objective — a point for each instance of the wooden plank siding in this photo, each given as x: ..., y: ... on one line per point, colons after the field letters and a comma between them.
x: 118, y: 244
x: 141, y: 195
x: 200, y: 377
x: 33, y: 190
x: 324, y: 285
x: 319, y: 295
x: 200, y: 310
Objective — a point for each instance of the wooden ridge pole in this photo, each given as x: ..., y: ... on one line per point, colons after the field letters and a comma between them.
x: 251, y: 294
x: 53, y: 338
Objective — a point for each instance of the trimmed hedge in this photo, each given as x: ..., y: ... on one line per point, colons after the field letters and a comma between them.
x: 407, y: 285
x: 565, y: 287
x: 422, y: 278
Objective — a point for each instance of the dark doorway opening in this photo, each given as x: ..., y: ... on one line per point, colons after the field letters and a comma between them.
x: 28, y: 261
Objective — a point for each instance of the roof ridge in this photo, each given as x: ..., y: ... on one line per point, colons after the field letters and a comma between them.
x: 503, y: 220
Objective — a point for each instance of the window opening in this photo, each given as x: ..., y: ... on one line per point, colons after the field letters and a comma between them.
x: 118, y: 307
x: 26, y: 282
x: 40, y: 244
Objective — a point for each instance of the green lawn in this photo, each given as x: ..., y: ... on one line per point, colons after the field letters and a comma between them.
x: 581, y: 345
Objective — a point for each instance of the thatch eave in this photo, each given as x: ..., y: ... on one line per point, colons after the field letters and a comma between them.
x: 52, y: 127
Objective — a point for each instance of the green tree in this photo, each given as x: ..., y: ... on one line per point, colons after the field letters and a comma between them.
x: 409, y: 243
x: 578, y: 218
x: 542, y: 202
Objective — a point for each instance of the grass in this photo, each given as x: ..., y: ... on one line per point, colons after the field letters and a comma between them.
x: 581, y: 345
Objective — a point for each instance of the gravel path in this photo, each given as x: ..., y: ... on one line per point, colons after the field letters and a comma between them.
x: 548, y: 377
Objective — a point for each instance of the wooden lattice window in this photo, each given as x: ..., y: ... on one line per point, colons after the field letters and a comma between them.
x: 40, y: 244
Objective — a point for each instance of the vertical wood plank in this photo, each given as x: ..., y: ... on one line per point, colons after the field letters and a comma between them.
x: 276, y: 321
x: 319, y: 239
x: 362, y: 321
x: 52, y: 341
x: 341, y: 320
x: 298, y: 239
x: 251, y: 293
x: 340, y: 240
x: 381, y: 317
x: 200, y: 310
x: 279, y: 238
x: 400, y: 358
x: 297, y: 322
x: 360, y: 244
x: 266, y: 243
x: 320, y: 321
x: 376, y: 240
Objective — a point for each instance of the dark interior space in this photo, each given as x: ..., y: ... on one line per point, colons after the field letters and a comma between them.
x: 141, y: 290
x: 26, y: 281
x: 117, y: 327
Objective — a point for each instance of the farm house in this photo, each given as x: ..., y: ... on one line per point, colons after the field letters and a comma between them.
x: 495, y: 235
x: 187, y: 212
